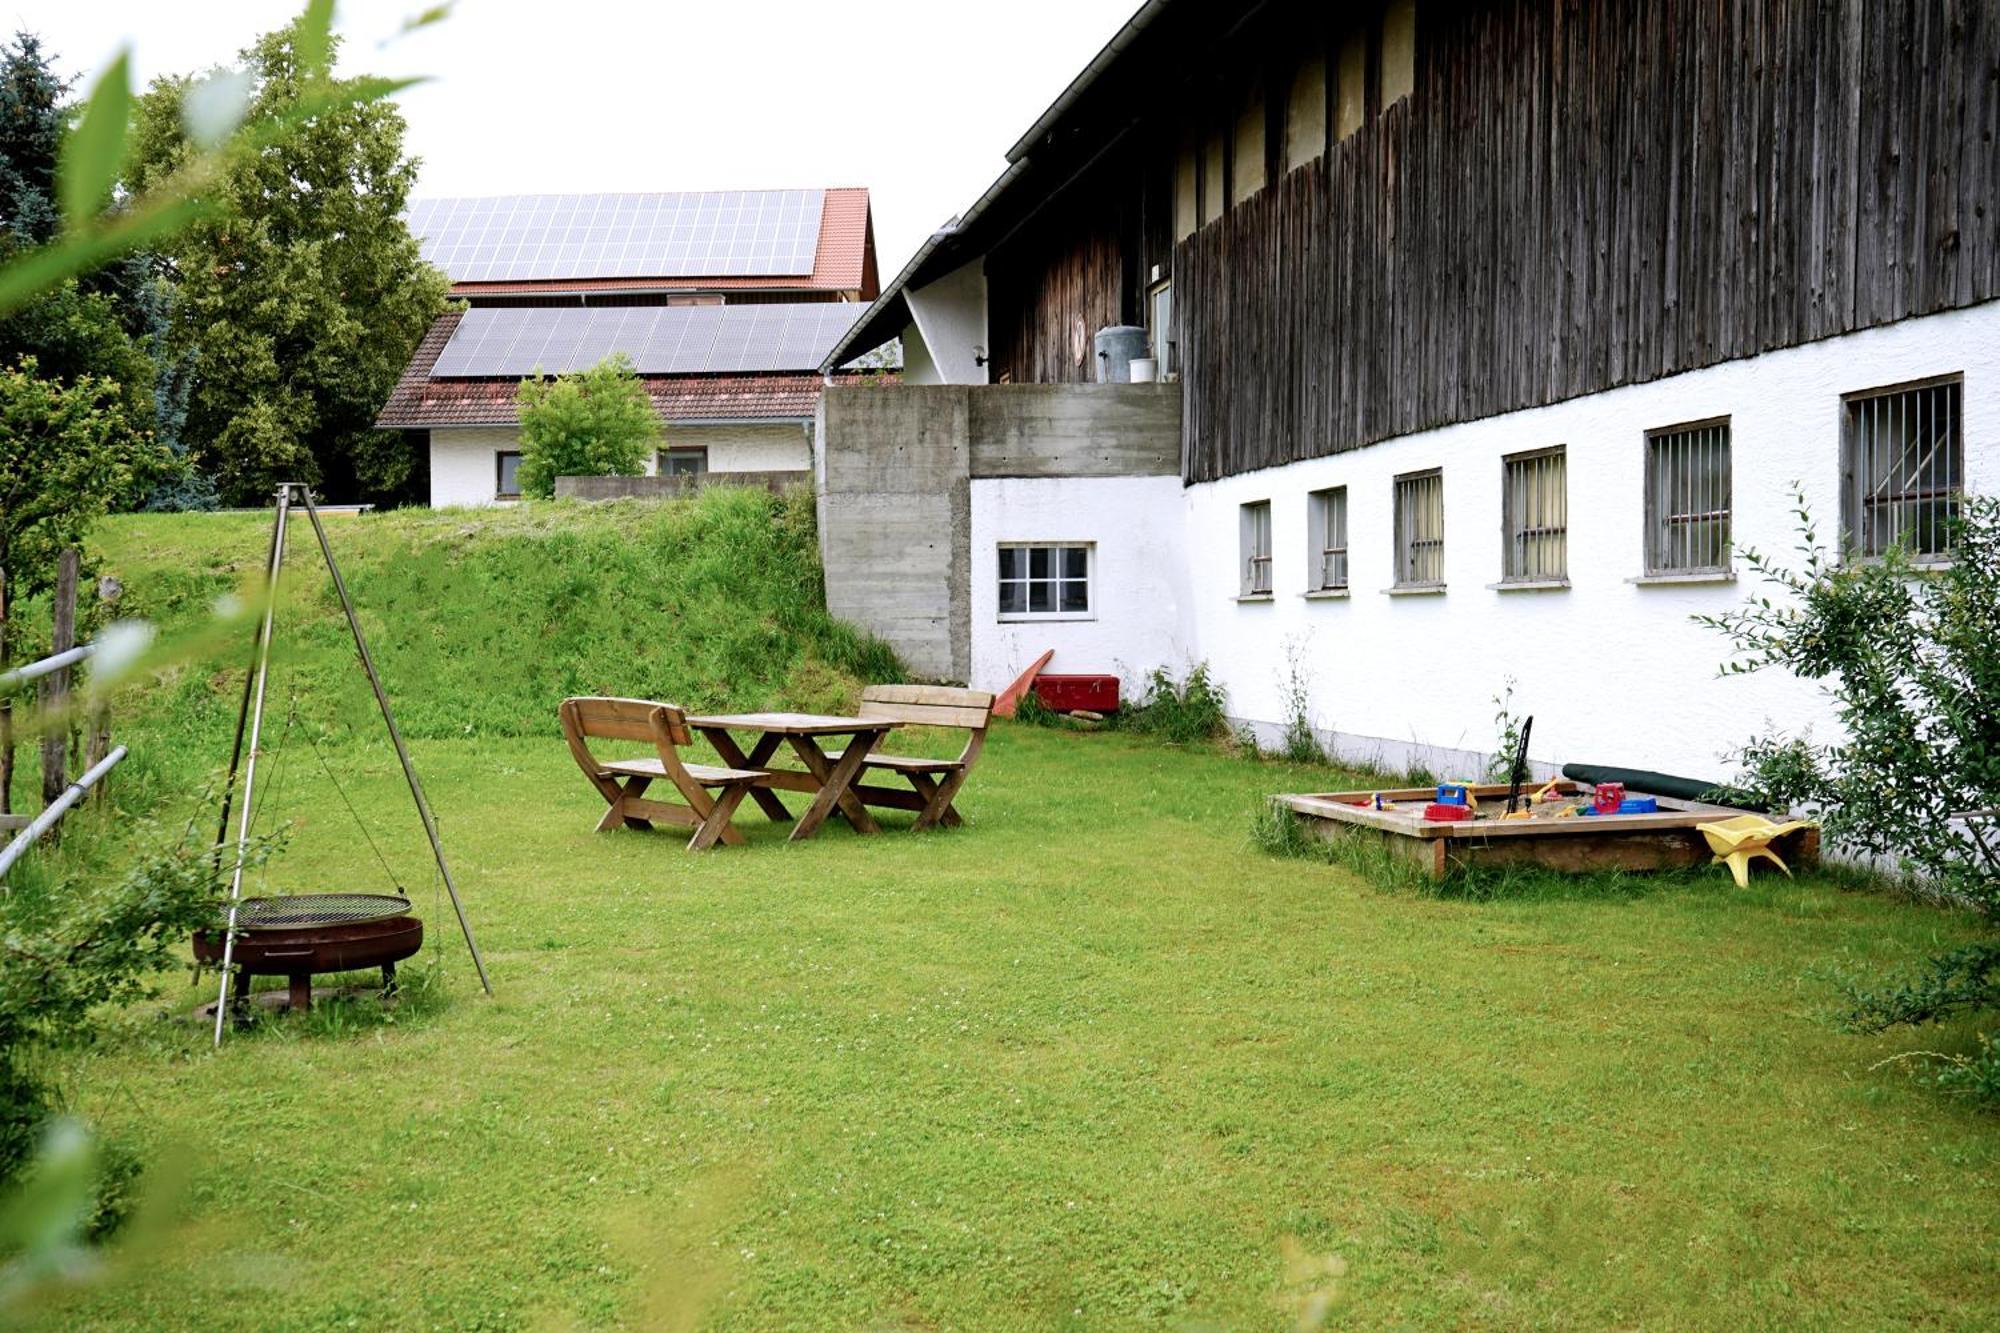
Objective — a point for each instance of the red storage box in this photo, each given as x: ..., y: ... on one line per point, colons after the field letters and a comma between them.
x: 1066, y: 694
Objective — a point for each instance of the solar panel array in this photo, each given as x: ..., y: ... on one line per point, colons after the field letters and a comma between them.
x: 659, y: 340
x: 709, y: 234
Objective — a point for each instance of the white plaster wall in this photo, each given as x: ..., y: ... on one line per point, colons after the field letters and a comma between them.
x: 951, y: 315
x: 1612, y: 672
x: 463, y: 463
x: 1138, y: 588
x: 918, y: 368
x: 748, y: 446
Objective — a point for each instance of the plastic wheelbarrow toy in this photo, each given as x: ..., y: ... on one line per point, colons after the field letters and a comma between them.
x: 1742, y: 839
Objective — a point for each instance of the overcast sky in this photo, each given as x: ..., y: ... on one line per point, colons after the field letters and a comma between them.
x: 916, y: 99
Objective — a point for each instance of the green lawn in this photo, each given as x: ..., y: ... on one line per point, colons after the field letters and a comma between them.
x: 1089, y: 1061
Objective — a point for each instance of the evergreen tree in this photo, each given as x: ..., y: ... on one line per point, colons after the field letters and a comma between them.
x: 299, y: 300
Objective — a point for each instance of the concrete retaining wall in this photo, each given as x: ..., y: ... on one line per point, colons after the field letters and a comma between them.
x: 654, y: 487
x: 895, y: 465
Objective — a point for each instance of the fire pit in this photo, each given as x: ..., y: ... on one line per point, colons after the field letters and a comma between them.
x: 300, y: 934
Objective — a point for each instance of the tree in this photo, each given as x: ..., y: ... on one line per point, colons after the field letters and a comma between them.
x: 1911, y: 662
x: 301, y: 294
x: 67, y: 454
x: 595, y: 423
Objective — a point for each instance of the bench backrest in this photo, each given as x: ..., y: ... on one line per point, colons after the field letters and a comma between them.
x: 624, y: 720
x: 928, y: 705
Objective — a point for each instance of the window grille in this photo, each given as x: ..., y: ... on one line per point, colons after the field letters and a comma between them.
x: 1044, y: 580
x: 1535, y: 511
x: 1688, y: 499
x: 1328, y: 550
x: 1256, y: 527
x: 1420, y: 530
x: 1903, y: 470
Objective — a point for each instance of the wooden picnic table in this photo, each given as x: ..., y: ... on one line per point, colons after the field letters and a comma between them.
x: 829, y: 782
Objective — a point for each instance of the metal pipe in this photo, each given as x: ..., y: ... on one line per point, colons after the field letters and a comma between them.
x: 242, y: 721
x: 263, y: 677
x: 19, y: 676
x: 395, y: 736
x: 56, y: 809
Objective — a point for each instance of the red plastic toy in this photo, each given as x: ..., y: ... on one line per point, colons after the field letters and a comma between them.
x: 1609, y: 796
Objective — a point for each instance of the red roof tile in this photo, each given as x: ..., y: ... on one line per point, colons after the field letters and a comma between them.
x: 420, y: 402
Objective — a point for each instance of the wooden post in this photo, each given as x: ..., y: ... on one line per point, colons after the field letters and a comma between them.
x: 55, y: 685
x: 6, y: 711
x: 109, y: 590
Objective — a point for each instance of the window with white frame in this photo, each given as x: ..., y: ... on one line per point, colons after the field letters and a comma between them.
x: 1903, y: 468
x: 1046, y: 580
x: 1420, y: 529
x: 1326, y: 540
x: 1688, y: 499
x: 1534, y: 503
x: 1160, y: 328
x: 507, y: 475
x: 1255, y: 565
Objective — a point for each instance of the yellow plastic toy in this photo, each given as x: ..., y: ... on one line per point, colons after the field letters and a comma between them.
x: 1741, y: 839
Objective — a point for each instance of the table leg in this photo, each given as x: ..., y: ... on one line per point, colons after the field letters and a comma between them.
x: 835, y: 780
x: 760, y: 754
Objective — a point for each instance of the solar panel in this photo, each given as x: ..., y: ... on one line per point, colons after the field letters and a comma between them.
x: 711, y: 234
x: 659, y: 340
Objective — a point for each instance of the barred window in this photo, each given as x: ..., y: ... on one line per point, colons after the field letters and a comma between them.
x: 1535, y: 512
x: 1903, y: 469
x: 1326, y: 540
x: 1688, y: 499
x: 1255, y: 526
x: 1420, y: 529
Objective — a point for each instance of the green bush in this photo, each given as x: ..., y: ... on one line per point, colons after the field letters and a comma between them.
x: 1180, y: 711
x: 593, y: 423
x: 1911, y: 662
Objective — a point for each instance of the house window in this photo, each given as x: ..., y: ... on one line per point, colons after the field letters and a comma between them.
x: 507, y: 475
x: 1535, y: 512
x: 1688, y: 498
x: 1326, y: 540
x: 1903, y: 469
x: 1255, y: 527
x: 683, y: 462
x: 1045, y: 580
x: 1420, y: 529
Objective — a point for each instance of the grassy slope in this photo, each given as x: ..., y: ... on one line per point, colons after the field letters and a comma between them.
x: 1088, y: 1060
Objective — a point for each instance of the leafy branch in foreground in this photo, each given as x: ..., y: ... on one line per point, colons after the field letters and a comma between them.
x: 95, y: 153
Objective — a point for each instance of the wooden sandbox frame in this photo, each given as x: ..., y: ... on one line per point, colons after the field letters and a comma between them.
x: 1668, y: 840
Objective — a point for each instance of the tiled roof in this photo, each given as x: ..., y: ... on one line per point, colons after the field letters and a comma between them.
x: 843, y: 262
x: 420, y: 402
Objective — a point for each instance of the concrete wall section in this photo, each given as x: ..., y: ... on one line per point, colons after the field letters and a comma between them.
x: 1140, y: 617
x: 1069, y: 430
x: 893, y: 507
x: 1613, y: 672
x: 464, y: 463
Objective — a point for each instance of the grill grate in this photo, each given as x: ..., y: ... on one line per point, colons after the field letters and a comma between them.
x: 304, y: 911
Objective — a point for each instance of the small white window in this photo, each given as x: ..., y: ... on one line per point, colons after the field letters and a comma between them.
x: 1535, y: 505
x: 683, y: 462
x: 1688, y: 499
x: 1903, y: 469
x: 1161, y: 313
x: 507, y: 475
x: 1255, y: 529
x: 1046, y: 580
x: 1420, y: 529
x: 1326, y: 540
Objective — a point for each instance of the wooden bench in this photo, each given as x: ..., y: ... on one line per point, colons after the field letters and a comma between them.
x: 935, y: 782
x: 665, y: 726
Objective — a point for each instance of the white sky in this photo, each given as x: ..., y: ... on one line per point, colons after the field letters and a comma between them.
x: 917, y: 99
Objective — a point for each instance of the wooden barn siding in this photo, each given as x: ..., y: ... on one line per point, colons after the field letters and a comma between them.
x: 1581, y: 195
